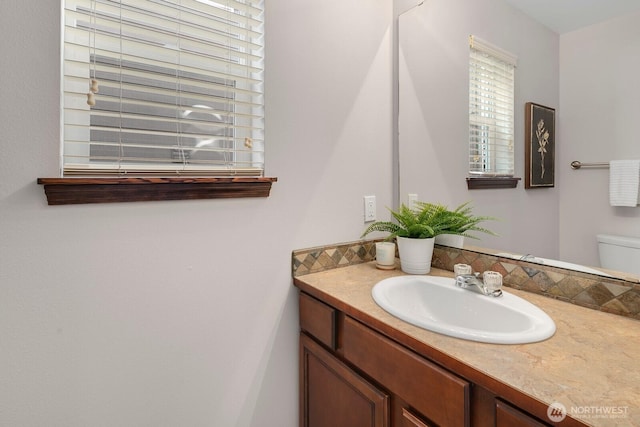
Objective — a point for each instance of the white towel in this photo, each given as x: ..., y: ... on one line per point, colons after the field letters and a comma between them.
x: 624, y: 182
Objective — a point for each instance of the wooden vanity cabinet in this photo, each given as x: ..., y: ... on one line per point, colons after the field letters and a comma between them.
x: 353, y: 376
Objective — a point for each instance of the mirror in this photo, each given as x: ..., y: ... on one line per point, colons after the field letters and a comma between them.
x: 586, y: 75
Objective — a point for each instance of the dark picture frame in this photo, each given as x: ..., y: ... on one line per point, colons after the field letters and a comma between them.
x: 540, y: 146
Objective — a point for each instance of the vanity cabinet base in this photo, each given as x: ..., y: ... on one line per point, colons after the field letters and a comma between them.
x: 352, y: 375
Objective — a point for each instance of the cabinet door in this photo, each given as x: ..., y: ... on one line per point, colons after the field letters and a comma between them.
x: 332, y: 395
x: 508, y: 416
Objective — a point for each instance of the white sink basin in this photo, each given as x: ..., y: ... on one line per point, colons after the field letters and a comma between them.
x: 437, y: 304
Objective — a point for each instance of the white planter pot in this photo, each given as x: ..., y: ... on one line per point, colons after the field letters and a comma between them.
x: 452, y: 240
x: 415, y: 255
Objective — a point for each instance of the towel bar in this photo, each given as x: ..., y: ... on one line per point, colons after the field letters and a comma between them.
x: 577, y: 165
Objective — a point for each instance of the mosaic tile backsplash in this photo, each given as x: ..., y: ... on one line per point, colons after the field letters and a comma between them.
x: 321, y: 258
x: 588, y: 290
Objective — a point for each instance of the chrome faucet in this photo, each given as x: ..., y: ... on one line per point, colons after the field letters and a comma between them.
x: 474, y: 283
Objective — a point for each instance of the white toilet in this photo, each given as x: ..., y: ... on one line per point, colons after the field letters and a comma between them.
x: 620, y: 253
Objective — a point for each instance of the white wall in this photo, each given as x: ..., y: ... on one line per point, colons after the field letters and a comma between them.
x: 434, y: 108
x: 599, y: 95
x: 183, y: 313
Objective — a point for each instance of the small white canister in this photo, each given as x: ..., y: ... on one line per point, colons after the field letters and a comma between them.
x: 386, y: 255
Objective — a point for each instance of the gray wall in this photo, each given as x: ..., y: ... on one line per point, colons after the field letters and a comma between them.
x: 599, y: 112
x: 183, y: 313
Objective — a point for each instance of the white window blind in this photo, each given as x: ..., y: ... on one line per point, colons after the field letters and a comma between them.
x: 491, y: 115
x: 178, y: 88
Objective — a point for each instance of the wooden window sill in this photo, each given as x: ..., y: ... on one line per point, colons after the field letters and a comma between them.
x: 492, y: 182
x: 65, y: 191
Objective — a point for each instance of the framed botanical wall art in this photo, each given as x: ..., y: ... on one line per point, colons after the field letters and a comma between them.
x: 540, y: 145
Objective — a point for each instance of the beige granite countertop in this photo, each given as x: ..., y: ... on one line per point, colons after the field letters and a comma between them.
x: 591, y: 363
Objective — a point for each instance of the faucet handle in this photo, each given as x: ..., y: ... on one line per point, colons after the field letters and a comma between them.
x: 460, y: 269
x: 492, y: 281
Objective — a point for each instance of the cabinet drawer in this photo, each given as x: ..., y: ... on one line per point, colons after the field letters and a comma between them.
x: 508, y: 416
x: 437, y: 394
x: 318, y: 319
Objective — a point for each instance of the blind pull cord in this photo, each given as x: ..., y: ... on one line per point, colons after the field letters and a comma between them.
x: 93, y: 82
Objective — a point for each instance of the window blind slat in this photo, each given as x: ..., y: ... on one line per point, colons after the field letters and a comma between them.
x: 243, y: 39
x: 135, y: 50
x: 174, y: 146
x: 171, y: 11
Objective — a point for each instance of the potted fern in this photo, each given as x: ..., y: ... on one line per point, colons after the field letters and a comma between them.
x: 462, y: 223
x: 415, y: 231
